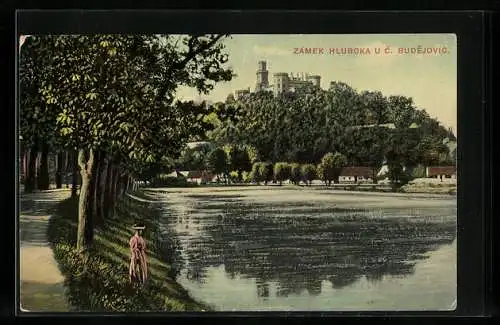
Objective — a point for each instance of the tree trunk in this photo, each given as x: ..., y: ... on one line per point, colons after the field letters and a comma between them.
x: 43, y: 176
x: 85, y: 230
x: 30, y: 173
x: 95, y: 188
x: 66, y: 161
x: 103, y: 180
x: 65, y: 168
x: 74, y: 178
x: 24, y: 166
x: 31, y: 179
x: 127, y: 187
x: 109, y: 191
x: 59, y: 169
x: 116, y: 185
x: 122, y: 184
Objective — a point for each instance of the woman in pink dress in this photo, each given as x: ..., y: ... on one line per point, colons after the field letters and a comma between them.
x: 138, y: 271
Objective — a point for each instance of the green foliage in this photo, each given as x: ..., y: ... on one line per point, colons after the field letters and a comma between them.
x: 282, y: 171
x: 304, y: 126
x: 247, y: 177
x: 330, y: 167
x: 238, y: 158
x: 396, y: 171
x: 419, y: 171
x: 266, y: 171
x: 171, y: 181
x: 256, y: 173
x: 195, y: 158
x: 295, y: 173
x: 217, y: 161
x: 308, y: 172
x: 234, y: 177
x: 115, y: 92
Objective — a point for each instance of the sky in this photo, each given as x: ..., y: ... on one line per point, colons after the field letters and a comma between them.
x: 430, y: 79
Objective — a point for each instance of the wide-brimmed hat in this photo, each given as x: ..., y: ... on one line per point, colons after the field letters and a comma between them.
x: 138, y: 227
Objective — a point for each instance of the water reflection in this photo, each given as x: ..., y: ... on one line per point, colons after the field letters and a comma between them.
x: 297, y: 246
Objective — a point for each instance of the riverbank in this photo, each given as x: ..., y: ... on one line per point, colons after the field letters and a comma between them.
x: 98, y: 281
x: 420, y: 192
x: 424, y: 188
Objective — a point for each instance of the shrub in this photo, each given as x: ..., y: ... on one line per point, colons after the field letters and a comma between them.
x: 330, y: 166
x: 217, y: 161
x: 256, y: 174
x: 295, y: 173
x: 397, y: 175
x: 419, y: 172
x: 172, y: 181
x: 266, y: 172
x: 173, y: 305
x: 234, y: 176
x: 281, y: 172
x: 247, y: 177
x: 308, y: 173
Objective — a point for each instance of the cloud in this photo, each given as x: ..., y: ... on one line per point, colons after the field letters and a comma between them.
x: 270, y: 51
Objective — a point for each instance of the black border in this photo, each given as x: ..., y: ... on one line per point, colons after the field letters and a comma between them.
x: 470, y: 30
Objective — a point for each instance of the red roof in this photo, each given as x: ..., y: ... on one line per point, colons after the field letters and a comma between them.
x: 444, y: 170
x: 357, y: 171
x: 200, y: 174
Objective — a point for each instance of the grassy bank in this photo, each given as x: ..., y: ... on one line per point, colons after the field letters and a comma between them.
x: 430, y: 188
x: 409, y: 188
x: 98, y: 281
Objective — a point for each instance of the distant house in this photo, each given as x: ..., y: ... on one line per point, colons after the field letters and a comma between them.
x: 441, y: 172
x: 198, y: 176
x: 178, y: 173
x: 356, y: 175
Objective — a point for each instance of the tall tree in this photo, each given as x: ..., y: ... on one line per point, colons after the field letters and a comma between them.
x: 114, y: 93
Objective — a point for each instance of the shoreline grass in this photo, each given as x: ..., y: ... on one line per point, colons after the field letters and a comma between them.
x: 98, y: 280
x: 444, y: 189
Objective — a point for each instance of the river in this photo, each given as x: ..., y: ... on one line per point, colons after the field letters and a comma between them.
x: 288, y: 249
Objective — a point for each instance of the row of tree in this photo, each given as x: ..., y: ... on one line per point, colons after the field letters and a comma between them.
x: 108, y: 100
x: 241, y: 164
x: 36, y: 171
x: 328, y: 170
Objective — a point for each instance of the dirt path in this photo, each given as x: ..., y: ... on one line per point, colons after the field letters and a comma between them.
x: 42, y: 287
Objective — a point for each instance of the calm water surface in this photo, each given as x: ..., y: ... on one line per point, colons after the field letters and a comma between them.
x: 278, y: 249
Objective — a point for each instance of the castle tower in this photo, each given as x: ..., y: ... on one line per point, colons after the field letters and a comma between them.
x: 262, y: 77
x: 281, y: 82
x: 315, y: 80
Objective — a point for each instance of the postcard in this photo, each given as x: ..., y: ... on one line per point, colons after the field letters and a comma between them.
x: 245, y: 172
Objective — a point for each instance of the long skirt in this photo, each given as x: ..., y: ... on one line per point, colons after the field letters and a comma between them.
x: 138, y: 270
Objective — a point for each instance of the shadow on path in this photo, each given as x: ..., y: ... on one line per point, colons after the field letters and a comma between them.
x: 41, y: 281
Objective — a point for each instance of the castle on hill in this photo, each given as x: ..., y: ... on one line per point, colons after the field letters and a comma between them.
x: 282, y: 81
